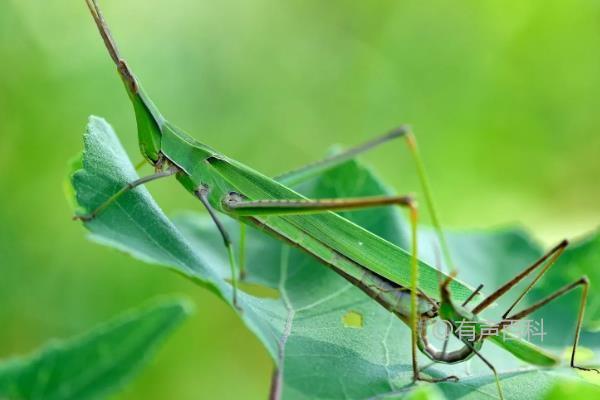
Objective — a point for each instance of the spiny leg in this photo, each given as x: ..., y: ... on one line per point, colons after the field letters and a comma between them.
x: 583, y: 281
x: 202, y: 194
x: 236, y: 204
x: 551, y: 256
x: 130, y: 186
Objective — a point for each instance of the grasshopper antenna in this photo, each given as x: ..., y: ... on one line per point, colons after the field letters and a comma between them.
x: 111, y: 46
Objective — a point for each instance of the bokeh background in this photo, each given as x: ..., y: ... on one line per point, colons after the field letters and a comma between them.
x: 504, y: 98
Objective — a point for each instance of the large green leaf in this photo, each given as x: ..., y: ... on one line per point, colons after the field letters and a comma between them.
x: 328, y: 338
x: 95, y: 364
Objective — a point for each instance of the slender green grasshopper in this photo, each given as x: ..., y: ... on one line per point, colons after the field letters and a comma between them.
x: 397, y: 280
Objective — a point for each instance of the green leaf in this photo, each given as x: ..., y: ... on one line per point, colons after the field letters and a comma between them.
x: 306, y: 329
x: 97, y: 363
x: 573, y: 390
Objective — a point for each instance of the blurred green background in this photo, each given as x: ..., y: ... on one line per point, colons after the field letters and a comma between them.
x: 504, y: 98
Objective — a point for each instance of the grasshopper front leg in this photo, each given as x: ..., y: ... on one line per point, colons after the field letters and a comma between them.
x: 171, y: 170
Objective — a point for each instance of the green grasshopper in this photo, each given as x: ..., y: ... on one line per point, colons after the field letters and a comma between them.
x: 397, y: 280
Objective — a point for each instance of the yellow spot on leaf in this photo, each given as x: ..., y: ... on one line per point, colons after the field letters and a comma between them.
x: 353, y: 319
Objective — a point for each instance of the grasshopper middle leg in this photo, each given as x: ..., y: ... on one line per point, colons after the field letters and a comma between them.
x: 202, y: 194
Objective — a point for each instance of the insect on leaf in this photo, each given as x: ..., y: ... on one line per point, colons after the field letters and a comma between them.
x: 317, y: 354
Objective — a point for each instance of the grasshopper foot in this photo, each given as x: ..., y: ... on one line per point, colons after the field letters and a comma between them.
x: 596, y: 370
x: 450, y: 378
